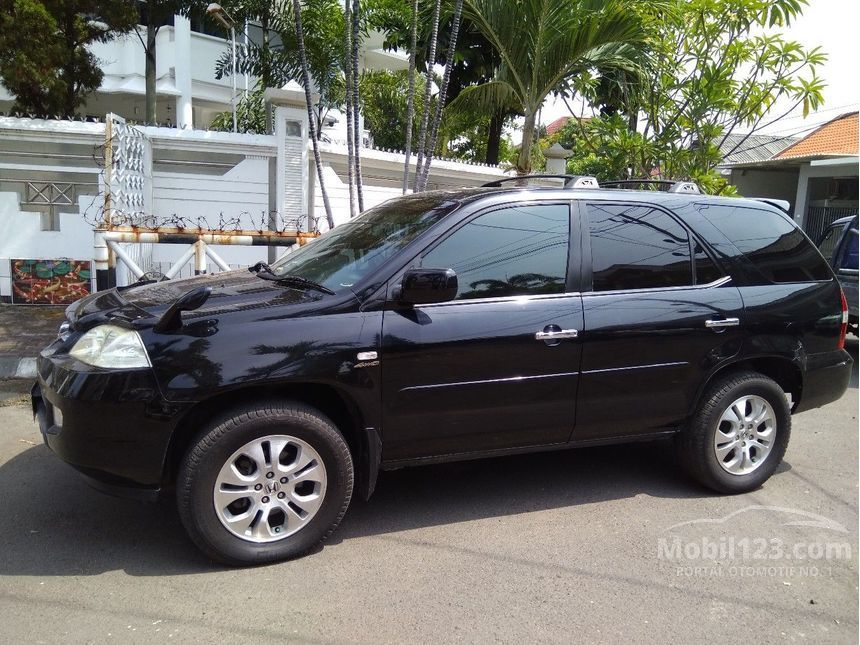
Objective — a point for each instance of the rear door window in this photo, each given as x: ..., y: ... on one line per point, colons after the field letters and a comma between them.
x: 774, y: 245
x: 639, y: 247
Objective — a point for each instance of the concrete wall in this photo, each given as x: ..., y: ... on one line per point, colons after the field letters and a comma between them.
x: 774, y: 183
x: 215, y: 176
x: 837, y: 167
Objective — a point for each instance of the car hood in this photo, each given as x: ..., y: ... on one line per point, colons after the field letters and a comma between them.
x: 142, y: 305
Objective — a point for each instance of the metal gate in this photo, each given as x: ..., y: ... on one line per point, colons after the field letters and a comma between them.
x: 818, y: 218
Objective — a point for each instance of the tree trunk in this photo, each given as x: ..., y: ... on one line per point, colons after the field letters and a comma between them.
x: 347, y: 74
x: 410, y: 98
x: 428, y: 87
x: 266, y: 77
x: 356, y: 121
x: 494, y: 138
x: 149, y: 70
x: 443, y: 92
x: 524, y: 161
x: 306, y: 81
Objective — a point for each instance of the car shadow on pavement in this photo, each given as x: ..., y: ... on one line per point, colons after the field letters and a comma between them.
x: 455, y: 492
x: 56, y: 525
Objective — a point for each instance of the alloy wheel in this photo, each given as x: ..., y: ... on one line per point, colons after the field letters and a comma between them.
x: 270, y: 488
x: 744, y: 435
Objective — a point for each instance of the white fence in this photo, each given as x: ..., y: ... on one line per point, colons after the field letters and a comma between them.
x: 210, y: 178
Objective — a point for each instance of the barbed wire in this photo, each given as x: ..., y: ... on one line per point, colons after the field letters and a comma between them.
x: 253, y: 221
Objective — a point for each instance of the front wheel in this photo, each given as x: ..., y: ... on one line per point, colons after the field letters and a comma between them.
x: 739, y: 434
x: 266, y: 484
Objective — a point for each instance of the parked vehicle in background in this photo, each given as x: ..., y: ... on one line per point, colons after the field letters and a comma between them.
x: 441, y: 326
x: 838, y: 245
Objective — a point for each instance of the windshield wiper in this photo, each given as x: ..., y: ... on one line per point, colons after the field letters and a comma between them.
x: 261, y: 267
x: 264, y: 271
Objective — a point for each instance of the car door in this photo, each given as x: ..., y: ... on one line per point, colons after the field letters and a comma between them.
x: 658, y: 314
x: 475, y: 374
x: 845, y: 265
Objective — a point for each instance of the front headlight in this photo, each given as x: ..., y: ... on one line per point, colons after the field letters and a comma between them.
x: 111, y: 346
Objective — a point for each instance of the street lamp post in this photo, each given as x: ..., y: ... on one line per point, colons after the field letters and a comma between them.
x: 217, y: 12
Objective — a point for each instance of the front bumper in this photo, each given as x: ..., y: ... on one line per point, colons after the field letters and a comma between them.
x: 825, y: 379
x: 111, y: 425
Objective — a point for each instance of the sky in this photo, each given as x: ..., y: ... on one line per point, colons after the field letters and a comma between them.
x: 833, y: 25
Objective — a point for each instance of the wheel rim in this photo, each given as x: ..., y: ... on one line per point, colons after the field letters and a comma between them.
x: 745, y: 435
x: 270, y: 488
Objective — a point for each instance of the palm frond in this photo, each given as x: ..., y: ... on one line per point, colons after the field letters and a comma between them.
x: 490, y: 98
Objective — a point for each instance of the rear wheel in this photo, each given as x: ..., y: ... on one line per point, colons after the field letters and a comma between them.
x: 268, y: 483
x: 739, y: 434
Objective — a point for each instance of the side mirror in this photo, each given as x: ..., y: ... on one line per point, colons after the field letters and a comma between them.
x: 425, y: 286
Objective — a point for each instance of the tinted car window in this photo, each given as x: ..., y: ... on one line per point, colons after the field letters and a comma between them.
x: 509, y: 252
x: 637, y: 247
x: 770, y: 241
x: 706, y: 270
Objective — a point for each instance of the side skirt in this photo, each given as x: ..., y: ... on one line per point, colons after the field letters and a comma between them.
x: 466, y: 456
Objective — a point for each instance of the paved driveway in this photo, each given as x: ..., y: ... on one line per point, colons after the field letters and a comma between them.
x: 594, y: 545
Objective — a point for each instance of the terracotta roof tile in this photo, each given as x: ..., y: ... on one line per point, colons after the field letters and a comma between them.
x: 836, y: 137
x: 562, y: 121
x: 557, y: 125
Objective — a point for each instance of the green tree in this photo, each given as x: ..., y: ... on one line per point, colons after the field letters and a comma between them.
x: 474, y: 62
x: 542, y: 44
x: 385, y: 106
x: 155, y: 14
x: 250, y: 115
x: 424, y: 172
x: 713, y: 69
x: 278, y: 61
x: 306, y: 83
x: 44, y: 60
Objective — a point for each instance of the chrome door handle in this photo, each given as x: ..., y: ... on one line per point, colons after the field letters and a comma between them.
x: 725, y: 322
x: 556, y: 334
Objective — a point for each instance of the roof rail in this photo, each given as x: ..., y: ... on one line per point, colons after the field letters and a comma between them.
x: 669, y: 186
x: 570, y: 181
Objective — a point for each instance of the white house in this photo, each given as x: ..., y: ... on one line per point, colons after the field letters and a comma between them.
x: 189, y: 95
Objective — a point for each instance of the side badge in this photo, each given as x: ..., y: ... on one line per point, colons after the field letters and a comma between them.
x: 366, y: 359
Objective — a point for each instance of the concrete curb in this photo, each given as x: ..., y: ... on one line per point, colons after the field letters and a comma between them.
x: 17, y: 367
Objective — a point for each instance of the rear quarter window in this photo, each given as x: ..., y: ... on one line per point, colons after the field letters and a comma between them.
x: 774, y: 245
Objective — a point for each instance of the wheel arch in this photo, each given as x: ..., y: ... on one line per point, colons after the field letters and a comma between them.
x: 363, y: 441
x: 784, y: 371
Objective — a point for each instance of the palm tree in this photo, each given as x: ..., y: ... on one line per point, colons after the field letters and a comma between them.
x: 312, y: 125
x: 347, y: 74
x: 542, y: 44
x: 428, y: 86
x: 424, y: 171
x: 356, y: 123
x: 410, y: 100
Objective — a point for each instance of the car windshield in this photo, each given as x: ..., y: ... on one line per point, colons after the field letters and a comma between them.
x: 344, y: 256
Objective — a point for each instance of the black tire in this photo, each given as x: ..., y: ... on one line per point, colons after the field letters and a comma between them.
x: 696, y: 443
x: 212, y: 448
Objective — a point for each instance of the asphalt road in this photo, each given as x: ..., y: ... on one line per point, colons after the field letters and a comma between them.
x: 593, y: 545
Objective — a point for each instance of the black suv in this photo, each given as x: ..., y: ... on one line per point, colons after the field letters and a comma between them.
x: 441, y: 326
